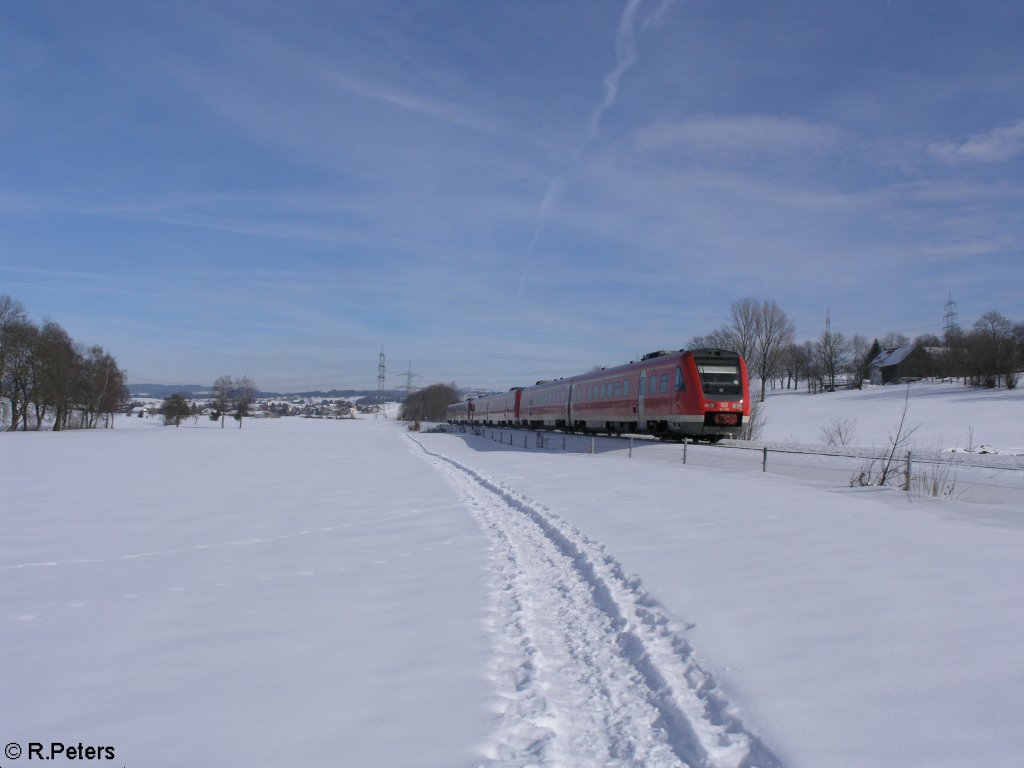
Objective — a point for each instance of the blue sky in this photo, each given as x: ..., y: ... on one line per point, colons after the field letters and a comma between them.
x: 500, y: 191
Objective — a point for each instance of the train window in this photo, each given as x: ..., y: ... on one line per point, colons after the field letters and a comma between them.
x: 719, y: 378
x: 653, y: 388
x: 663, y: 384
x: 625, y: 388
x: 618, y: 389
x: 680, y: 383
x: 604, y: 391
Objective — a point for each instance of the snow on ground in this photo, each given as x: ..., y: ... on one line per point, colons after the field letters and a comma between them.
x: 946, y: 416
x: 345, y: 592
x: 299, y: 592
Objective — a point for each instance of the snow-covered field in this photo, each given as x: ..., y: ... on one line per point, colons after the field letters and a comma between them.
x: 946, y: 416
x: 310, y: 592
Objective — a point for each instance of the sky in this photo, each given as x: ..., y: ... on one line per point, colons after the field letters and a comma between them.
x: 498, y: 192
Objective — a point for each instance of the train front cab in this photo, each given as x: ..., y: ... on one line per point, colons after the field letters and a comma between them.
x: 721, y: 393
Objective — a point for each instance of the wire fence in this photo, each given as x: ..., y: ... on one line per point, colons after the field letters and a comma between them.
x: 992, y: 477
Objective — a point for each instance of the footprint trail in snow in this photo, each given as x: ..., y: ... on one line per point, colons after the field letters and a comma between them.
x: 587, y: 667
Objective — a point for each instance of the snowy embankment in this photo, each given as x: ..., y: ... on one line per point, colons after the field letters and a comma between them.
x: 943, y: 417
x: 343, y: 592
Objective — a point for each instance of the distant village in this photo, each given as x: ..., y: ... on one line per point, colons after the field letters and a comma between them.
x: 268, y: 408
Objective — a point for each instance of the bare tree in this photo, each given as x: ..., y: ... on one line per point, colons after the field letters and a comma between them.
x: 991, y: 351
x: 12, y: 318
x: 773, y: 331
x: 175, y: 408
x: 813, y: 371
x: 244, y: 394
x: 722, y: 338
x: 898, y: 442
x: 1018, y: 336
x: 59, y: 371
x: 103, y: 387
x: 44, y: 374
x: 831, y: 352
x: 839, y: 431
x: 793, y: 364
x: 20, y: 370
x: 881, y: 470
x: 759, y: 331
x: 895, y: 340
x: 429, y: 404
x: 745, y: 316
x: 223, y: 398
x: 860, y: 358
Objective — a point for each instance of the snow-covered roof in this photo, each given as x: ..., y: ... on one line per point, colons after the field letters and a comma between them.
x: 888, y: 357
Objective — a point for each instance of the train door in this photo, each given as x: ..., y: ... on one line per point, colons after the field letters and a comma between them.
x: 641, y: 420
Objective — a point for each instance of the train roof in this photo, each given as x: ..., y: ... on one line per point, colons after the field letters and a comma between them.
x: 699, y: 352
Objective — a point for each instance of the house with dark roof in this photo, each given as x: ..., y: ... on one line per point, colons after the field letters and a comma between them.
x: 906, y: 363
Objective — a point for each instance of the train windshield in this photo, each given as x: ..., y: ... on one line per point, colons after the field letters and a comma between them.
x: 720, y: 377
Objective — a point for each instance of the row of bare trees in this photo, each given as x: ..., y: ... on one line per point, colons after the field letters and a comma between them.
x: 429, y: 404
x: 760, y: 331
x: 989, y: 355
x: 47, y: 380
x: 228, y: 397
x: 763, y: 333
x: 232, y: 397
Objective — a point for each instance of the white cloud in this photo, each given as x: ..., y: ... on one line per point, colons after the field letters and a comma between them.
x: 995, y: 146
x: 447, y: 112
x: 740, y: 133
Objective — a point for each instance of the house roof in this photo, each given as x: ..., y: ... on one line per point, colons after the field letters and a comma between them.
x: 890, y: 357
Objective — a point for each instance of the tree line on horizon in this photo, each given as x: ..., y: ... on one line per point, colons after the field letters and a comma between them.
x: 990, y: 354
x: 429, y: 404
x: 48, y: 380
x: 228, y: 397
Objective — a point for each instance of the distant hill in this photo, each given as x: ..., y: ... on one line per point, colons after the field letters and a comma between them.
x: 163, y: 390
x: 203, y: 390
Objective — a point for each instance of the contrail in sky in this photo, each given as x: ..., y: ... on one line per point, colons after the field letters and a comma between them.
x: 625, y: 58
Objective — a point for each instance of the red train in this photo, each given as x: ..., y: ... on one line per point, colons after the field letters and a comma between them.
x: 698, y: 393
